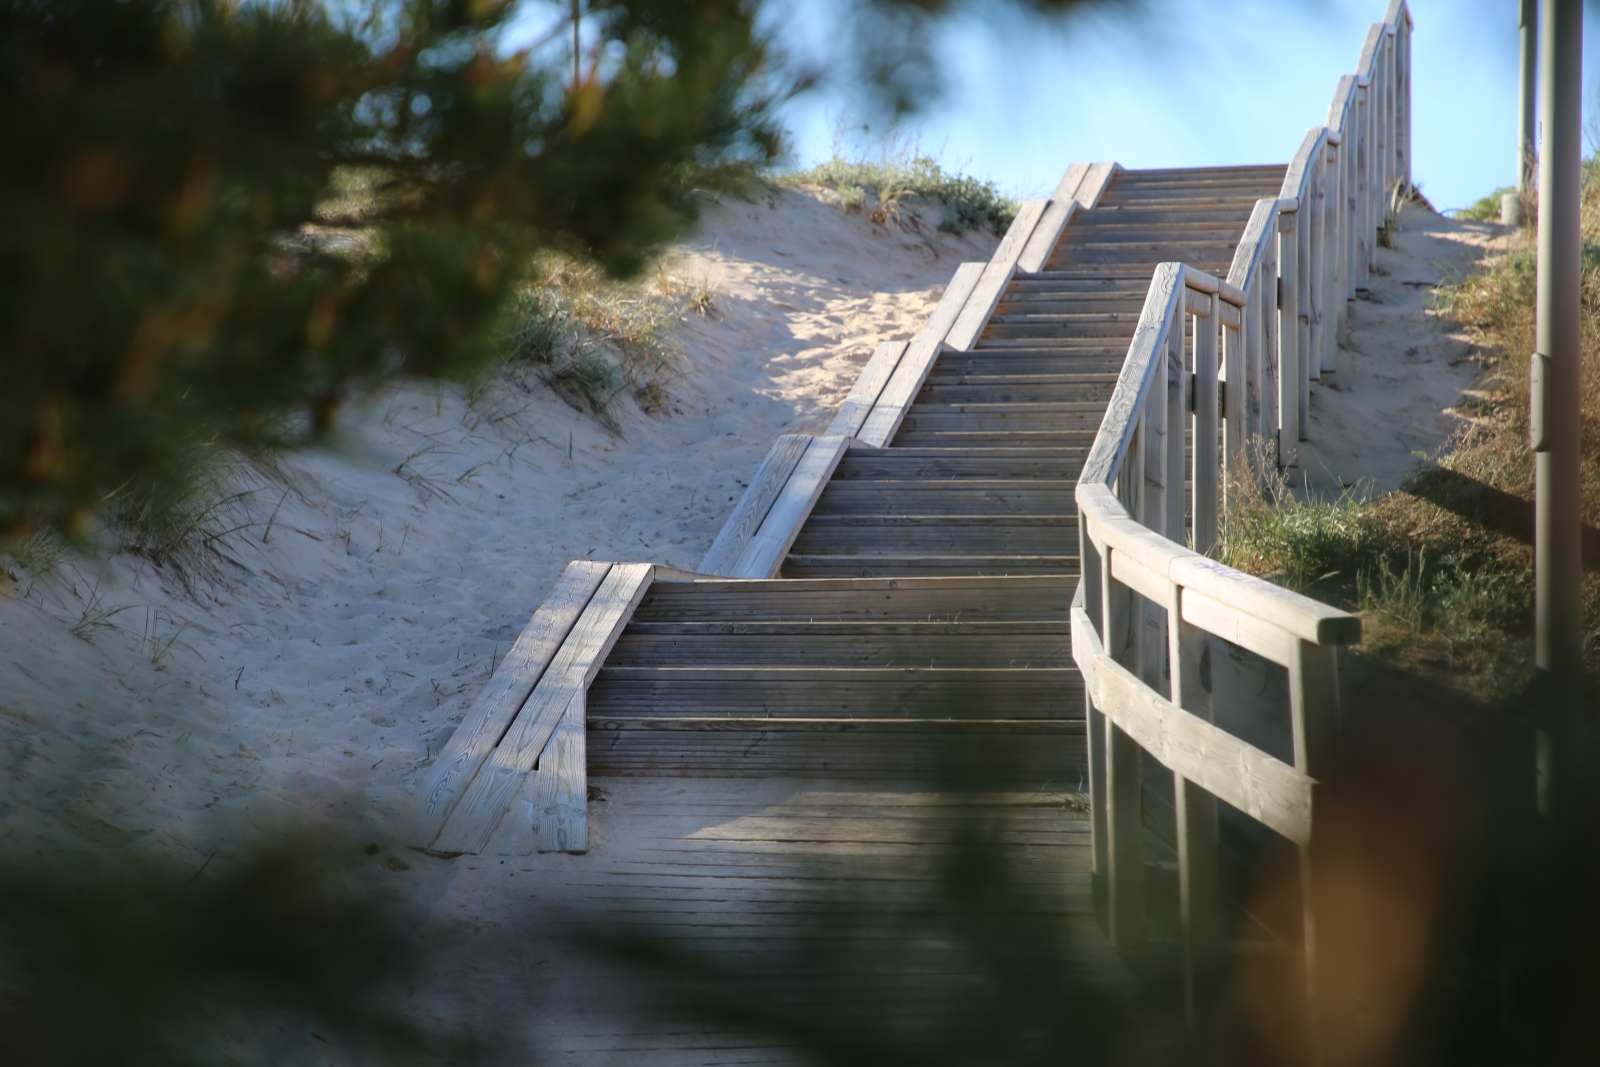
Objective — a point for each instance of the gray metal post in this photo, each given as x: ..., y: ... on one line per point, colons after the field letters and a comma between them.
x: 1556, y: 415
x: 1512, y: 212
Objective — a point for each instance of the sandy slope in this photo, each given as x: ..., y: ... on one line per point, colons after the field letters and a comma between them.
x: 322, y: 672
x: 1395, y: 392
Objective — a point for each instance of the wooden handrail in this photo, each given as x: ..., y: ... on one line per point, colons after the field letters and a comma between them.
x: 1149, y: 607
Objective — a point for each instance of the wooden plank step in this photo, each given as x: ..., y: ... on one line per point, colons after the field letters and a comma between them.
x: 1162, y: 174
x: 1028, y: 697
x: 1004, y: 418
x: 1087, y: 379
x: 1166, y: 233
x: 1130, y: 215
x: 855, y: 650
x: 988, y: 438
x: 1027, y: 390
x: 756, y: 752
x: 932, y: 598
x: 1182, y: 200
x: 809, y: 628
x: 992, y: 463
x: 860, y: 566
x: 840, y: 678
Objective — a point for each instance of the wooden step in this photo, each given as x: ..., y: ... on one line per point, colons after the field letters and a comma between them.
x: 1155, y: 175
x: 938, y: 463
x: 1026, y: 389
x: 860, y: 566
x: 990, y: 438
x: 911, y: 599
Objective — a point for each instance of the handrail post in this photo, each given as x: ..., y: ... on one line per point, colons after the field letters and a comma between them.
x: 1121, y: 819
x: 1315, y: 215
x: 1204, y: 477
x: 1332, y: 292
x: 1199, y: 875
x: 1305, y: 355
x: 1288, y: 340
x: 1314, y: 715
x: 1095, y: 570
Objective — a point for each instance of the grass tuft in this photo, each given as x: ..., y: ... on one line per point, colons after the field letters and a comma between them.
x: 900, y: 181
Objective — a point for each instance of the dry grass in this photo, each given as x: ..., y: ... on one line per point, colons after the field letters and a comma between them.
x: 592, y: 338
x: 1442, y: 568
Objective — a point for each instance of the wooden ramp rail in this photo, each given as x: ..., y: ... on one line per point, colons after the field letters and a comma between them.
x: 1153, y: 616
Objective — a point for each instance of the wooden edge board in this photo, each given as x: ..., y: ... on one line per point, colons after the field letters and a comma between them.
x: 1067, y: 187
x: 912, y: 371
x: 764, y: 555
x: 1046, y: 235
x: 473, y: 820
x: 1343, y: 96
x: 864, y: 394
x: 1095, y: 183
x: 1369, y: 53
x: 997, y: 274
x: 751, y: 511
x: 1267, y: 789
x: 561, y: 784
x: 491, y: 714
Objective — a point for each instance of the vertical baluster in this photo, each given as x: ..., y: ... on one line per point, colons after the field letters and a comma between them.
x: 1204, y: 477
x: 1305, y: 356
x: 1314, y: 714
x: 1288, y: 339
x: 1271, y: 291
x: 1332, y: 288
x: 1199, y: 881
x: 1122, y: 824
x: 1235, y: 406
x: 1313, y: 214
x: 1096, y: 581
x: 1174, y: 472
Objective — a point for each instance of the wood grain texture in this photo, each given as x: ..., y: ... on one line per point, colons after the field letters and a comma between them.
x: 561, y: 790
x: 1268, y: 790
x: 864, y: 394
x: 997, y: 274
x: 906, y: 381
x: 763, y: 556
x: 492, y: 713
x: 1095, y: 182
x: 751, y: 511
x: 1036, y: 253
x: 473, y: 821
x: 1146, y: 357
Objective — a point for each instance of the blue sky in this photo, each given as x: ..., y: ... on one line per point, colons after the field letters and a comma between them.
x: 1226, y: 81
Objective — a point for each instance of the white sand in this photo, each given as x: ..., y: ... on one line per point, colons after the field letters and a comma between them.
x: 317, y: 679
x: 1393, y: 398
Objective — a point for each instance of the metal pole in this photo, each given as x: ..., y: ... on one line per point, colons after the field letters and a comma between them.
x: 1556, y: 415
x: 1512, y: 210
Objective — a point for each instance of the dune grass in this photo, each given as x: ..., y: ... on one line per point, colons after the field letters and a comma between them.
x: 1442, y: 569
x: 899, y: 182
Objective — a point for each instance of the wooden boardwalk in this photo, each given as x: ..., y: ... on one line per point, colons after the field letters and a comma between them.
x: 841, y: 754
x: 789, y: 914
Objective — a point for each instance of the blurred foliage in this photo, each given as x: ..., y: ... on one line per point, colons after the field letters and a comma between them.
x: 282, y: 955
x: 221, y: 219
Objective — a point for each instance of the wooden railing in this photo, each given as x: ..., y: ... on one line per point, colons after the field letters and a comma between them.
x: 1180, y: 654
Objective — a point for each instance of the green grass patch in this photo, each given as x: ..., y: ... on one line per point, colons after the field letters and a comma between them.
x: 901, y: 182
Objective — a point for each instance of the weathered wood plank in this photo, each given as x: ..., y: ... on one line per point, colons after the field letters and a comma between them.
x: 763, y: 556
x: 1036, y: 253
x: 864, y: 394
x: 906, y: 381
x: 474, y: 818
x: 997, y: 274
x: 1266, y: 789
x: 561, y: 788
x: 491, y: 714
x: 753, y: 506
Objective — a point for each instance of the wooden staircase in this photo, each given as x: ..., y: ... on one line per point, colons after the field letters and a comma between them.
x: 919, y: 626
x: 889, y: 601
